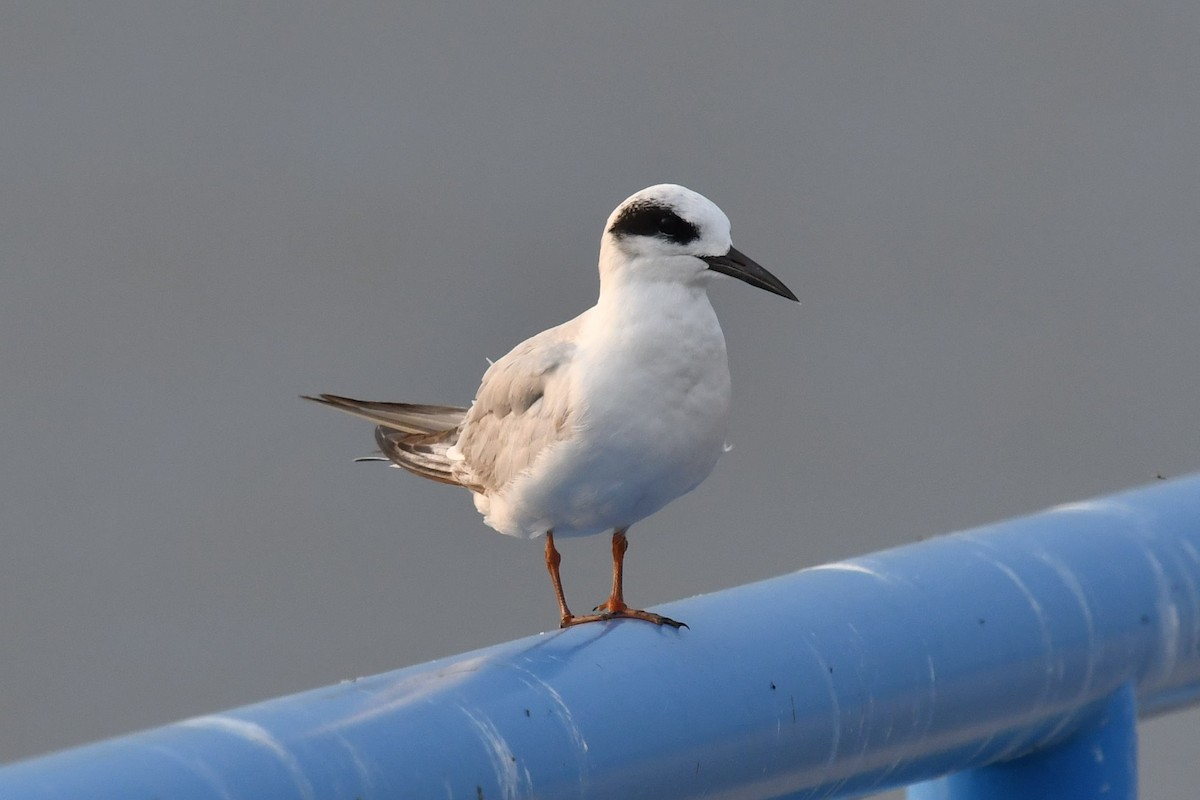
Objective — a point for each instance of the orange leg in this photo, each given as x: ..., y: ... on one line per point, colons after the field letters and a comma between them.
x: 614, y: 607
x: 616, y: 599
x: 553, y: 559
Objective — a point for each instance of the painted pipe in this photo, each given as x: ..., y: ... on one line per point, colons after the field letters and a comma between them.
x: 987, y: 647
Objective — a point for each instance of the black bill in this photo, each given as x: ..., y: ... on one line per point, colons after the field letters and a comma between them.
x: 737, y: 265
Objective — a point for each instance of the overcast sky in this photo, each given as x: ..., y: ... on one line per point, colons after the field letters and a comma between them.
x: 989, y: 211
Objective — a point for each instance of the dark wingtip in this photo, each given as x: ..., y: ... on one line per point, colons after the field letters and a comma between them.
x: 327, y: 399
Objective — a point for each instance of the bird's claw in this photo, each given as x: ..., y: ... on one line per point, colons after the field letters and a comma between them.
x: 603, y: 613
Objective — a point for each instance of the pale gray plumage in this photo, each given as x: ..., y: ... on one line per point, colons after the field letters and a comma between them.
x: 406, y: 417
x: 521, y: 409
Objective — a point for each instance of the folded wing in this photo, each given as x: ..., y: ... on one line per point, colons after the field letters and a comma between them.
x: 521, y: 408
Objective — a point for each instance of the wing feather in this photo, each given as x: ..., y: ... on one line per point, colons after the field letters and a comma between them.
x: 415, y: 437
x: 422, y: 454
x: 406, y: 417
x: 522, y: 407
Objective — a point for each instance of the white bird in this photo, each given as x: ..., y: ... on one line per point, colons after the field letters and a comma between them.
x: 595, y: 424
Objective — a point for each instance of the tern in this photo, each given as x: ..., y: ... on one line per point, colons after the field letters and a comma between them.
x: 594, y: 425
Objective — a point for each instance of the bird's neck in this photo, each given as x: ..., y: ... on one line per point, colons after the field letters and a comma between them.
x: 645, y: 312
x: 625, y: 298
x: 636, y: 288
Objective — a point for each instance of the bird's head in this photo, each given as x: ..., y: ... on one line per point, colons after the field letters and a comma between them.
x: 670, y: 233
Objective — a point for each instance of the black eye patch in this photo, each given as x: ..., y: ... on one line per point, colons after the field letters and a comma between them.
x: 647, y: 219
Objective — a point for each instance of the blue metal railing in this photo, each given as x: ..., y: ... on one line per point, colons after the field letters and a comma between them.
x: 1016, y: 655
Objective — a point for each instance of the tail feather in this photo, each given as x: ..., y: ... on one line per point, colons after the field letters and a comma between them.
x: 421, y: 454
x: 405, y: 417
x: 415, y: 437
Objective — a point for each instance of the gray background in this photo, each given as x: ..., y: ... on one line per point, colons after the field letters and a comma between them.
x: 989, y: 211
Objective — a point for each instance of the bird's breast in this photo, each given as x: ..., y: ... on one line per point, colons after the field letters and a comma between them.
x: 650, y: 383
x: 655, y: 389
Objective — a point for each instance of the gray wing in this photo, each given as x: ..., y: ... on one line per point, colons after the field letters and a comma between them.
x: 523, y: 406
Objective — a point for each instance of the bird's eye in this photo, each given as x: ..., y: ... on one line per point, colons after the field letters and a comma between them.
x: 675, y: 228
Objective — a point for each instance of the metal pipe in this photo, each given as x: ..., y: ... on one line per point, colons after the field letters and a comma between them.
x: 1098, y: 761
x: 896, y: 667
